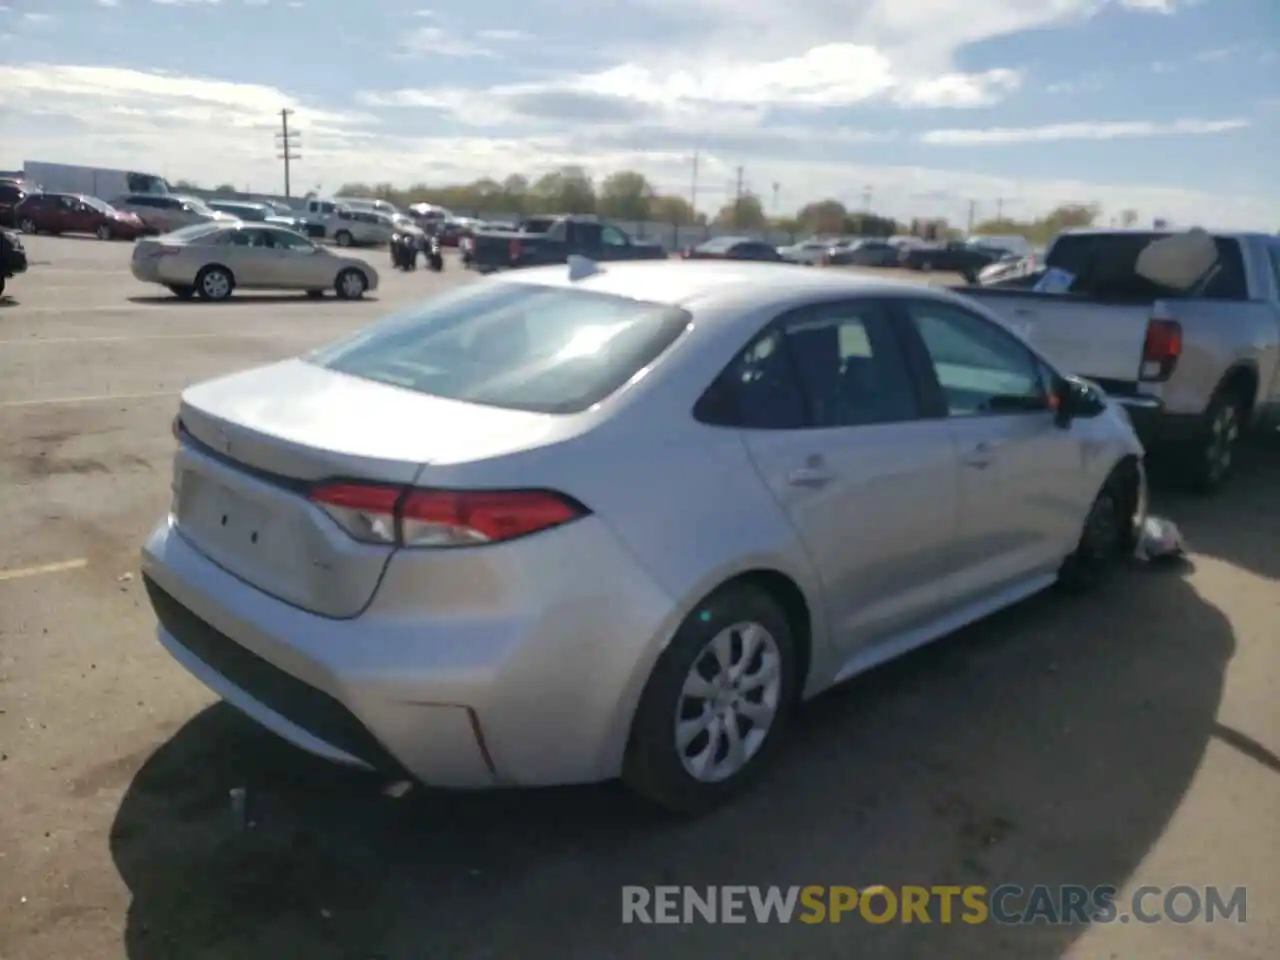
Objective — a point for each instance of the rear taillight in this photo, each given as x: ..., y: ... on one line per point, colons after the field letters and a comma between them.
x: 409, y: 517
x: 1161, y: 349
x: 514, y: 249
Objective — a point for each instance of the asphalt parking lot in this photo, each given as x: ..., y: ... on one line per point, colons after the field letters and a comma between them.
x: 1125, y: 738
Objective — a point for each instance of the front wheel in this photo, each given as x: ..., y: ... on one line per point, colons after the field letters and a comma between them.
x: 343, y: 238
x: 351, y: 284
x: 103, y: 232
x: 716, y: 705
x: 1109, y: 532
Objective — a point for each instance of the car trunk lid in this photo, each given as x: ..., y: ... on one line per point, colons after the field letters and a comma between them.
x: 255, y: 444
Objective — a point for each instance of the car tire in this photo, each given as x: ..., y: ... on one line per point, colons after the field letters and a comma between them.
x: 662, y: 770
x: 351, y: 284
x: 343, y: 238
x: 1207, y: 462
x: 27, y: 225
x: 182, y: 291
x: 103, y: 232
x: 1, y: 284
x: 315, y: 294
x: 1108, y: 535
x: 215, y: 283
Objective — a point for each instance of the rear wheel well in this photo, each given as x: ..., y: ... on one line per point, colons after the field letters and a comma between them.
x: 788, y: 595
x: 1240, y: 381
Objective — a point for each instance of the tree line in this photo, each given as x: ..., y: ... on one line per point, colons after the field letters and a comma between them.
x: 630, y: 196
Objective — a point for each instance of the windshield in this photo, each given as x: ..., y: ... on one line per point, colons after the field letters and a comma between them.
x: 720, y: 245
x: 198, y: 205
x: 100, y: 205
x: 513, y: 345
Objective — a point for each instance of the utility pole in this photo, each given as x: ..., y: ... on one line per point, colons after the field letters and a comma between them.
x: 693, y: 187
x: 999, y: 208
x: 737, y: 202
x: 973, y: 205
x: 287, y: 146
x: 776, y: 187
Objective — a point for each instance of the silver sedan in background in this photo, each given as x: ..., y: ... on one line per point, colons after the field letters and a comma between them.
x: 565, y: 525
x: 211, y: 260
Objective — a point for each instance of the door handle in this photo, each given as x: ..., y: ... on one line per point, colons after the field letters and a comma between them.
x: 811, y: 477
x: 981, y: 455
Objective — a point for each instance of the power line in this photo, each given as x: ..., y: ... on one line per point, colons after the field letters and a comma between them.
x: 287, y: 145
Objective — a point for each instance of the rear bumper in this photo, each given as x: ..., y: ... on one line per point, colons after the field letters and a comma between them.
x: 536, y: 687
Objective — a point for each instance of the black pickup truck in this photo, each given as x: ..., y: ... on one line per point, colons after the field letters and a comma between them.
x: 586, y: 236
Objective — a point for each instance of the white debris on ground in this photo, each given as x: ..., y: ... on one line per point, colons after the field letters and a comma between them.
x: 1160, y: 539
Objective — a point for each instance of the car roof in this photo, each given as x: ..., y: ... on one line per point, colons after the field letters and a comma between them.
x: 712, y: 283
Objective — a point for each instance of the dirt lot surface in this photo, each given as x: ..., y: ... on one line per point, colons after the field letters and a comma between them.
x: 1124, y: 738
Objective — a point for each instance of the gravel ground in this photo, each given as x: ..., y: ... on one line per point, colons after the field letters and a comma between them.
x: 1125, y: 738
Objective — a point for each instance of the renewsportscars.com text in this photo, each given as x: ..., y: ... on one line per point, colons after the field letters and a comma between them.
x: 1005, y: 904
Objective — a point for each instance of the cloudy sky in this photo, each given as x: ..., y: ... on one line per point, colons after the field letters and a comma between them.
x: 1165, y: 106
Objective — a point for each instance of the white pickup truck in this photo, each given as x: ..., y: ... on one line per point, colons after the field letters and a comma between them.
x: 1195, y: 363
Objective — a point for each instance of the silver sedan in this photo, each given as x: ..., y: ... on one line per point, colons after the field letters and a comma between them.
x: 570, y: 524
x: 212, y: 260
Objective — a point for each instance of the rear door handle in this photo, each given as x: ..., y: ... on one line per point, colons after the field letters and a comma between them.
x: 981, y: 455
x: 811, y: 477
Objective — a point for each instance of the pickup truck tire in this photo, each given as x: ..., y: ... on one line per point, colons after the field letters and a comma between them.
x: 343, y: 238
x: 1207, y: 462
x: 1108, y: 534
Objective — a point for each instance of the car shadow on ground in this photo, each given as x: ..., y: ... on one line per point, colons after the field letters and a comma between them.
x: 8, y: 301
x: 253, y: 299
x: 1241, y: 523
x: 1050, y: 744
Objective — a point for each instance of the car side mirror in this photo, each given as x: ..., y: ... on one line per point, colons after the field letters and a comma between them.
x: 1074, y: 399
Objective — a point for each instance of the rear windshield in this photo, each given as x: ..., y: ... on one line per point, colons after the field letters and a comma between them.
x: 1104, y: 265
x: 514, y: 345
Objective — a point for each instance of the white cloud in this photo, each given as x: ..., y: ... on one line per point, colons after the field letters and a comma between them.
x: 1117, y: 130
x: 1151, y: 6
x: 437, y: 41
x: 503, y: 36
x: 108, y: 3
x: 37, y: 18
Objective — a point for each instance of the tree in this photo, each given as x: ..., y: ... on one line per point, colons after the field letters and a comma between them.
x: 567, y: 190
x: 824, y: 216
x: 744, y: 213
x: 224, y: 188
x: 673, y: 210
x: 1128, y: 218
x: 871, y: 225
x: 1040, y: 231
x: 625, y: 195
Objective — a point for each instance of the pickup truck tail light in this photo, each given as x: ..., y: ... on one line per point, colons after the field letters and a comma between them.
x: 1161, y: 350
x: 514, y: 250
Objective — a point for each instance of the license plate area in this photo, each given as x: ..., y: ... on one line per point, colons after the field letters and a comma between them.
x: 221, y: 517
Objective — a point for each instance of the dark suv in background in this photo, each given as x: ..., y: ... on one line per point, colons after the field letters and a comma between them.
x: 12, y: 193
